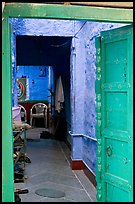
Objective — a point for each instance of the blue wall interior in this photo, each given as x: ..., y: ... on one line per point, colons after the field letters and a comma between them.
x: 33, y: 53
x: 77, y: 71
x: 37, y: 84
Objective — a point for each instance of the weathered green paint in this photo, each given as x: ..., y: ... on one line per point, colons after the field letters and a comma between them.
x: 115, y: 158
x: 32, y: 10
x: 7, y: 137
x: 98, y: 115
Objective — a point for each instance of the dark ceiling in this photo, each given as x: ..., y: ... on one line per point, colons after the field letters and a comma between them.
x: 42, y: 50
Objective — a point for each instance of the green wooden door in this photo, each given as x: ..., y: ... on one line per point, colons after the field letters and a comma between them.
x: 7, y: 136
x: 114, y: 97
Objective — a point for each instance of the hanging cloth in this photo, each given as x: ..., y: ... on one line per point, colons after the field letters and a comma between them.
x: 59, y: 95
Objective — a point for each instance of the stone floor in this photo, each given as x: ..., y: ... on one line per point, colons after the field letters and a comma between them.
x: 50, y: 168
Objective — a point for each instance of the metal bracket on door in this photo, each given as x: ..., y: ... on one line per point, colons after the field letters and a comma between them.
x: 109, y: 151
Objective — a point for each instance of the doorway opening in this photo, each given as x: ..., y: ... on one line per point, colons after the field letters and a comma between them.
x: 4, y: 65
x: 50, y: 54
x: 62, y: 54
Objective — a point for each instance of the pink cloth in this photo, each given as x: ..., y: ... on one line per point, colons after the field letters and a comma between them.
x: 16, y: 113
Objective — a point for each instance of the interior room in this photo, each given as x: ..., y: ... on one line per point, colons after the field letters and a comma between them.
x: 51, y: 55
x: 75, y: 146
x: 47, y: 56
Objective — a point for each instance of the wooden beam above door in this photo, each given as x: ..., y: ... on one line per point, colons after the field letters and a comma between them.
x: 104, y: 4
x: 92, y: 13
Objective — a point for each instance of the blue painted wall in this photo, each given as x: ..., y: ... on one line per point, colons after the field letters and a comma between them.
x: 37, y: 88
x: 17, y: 24
x: 82, y: 117
x: 84, y: 77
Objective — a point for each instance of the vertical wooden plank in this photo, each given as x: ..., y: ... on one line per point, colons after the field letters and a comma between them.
x: 130, y: 108
x: 98, y: 117
x: 7, y: 137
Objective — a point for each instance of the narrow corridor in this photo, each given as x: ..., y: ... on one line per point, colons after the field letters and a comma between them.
x: 50, y: 168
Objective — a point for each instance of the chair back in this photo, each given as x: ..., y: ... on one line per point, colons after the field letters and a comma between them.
x: 23, y: 113
x: 39, y: 107
x: 39, y: 110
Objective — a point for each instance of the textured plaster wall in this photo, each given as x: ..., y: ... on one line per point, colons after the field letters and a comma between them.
x: 79, y: 78
x: 90, y: 145
x: 14, y: 88
x: 17, y: 24
x: 82, y: 78
x: 89, y: 148
x: 40, y: 27
x: 38, y: 86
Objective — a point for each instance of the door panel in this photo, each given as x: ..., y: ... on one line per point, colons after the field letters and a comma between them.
x: 114, y: 193
x: 115, y: 110
x: 116, y: 137
x: 116, y: 60
x: 117, y: 163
